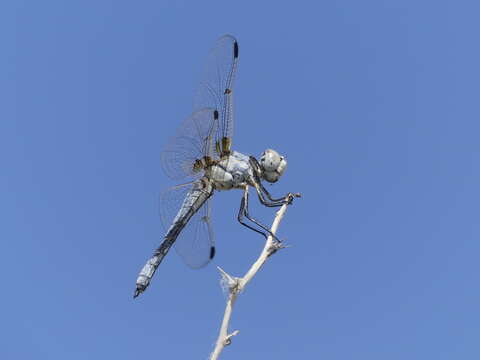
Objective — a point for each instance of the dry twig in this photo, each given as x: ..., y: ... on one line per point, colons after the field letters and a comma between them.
x: 237, y: 285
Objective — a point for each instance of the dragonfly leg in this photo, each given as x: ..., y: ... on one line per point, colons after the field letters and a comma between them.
x: 275, y: 202
x: 244, y: 213
x: 241, y: 215
x: 287, y: 199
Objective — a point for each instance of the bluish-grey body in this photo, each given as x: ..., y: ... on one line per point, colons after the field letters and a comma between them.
x: 233, y: 172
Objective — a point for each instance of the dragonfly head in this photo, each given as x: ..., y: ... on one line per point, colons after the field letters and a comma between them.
x: 273, y: 165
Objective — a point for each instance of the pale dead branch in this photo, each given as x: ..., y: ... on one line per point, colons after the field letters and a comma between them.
x: 236, y: 285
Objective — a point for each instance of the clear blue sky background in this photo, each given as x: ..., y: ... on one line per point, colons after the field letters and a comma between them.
x: 375, y: 105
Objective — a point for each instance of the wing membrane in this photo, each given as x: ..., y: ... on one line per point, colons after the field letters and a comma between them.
x: 206, y: 133
x: 195, y: 243
x: 194, y: 140
x: 216, y: 87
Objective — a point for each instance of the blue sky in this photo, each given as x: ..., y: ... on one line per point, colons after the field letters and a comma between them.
x: 375, y: 105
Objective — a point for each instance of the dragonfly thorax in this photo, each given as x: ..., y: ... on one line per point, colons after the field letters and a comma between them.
x: 233, y: 171
x: 202, y: 164
x: 223, y: 147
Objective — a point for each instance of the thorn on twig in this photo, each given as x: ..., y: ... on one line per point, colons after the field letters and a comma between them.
x: 275, y: 246
x: 232, y: 283
x: 228, y: 339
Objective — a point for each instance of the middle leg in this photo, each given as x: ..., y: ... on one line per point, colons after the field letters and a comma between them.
x: 244, y: 212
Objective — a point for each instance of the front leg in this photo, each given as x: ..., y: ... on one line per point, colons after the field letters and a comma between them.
x: 288, y: 198
x: 256, y: 181
x: 273, y: 202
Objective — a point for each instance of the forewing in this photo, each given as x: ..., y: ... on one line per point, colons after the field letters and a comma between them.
x: 195, y: 243
x: 216, y: 88
x: 194, y: 140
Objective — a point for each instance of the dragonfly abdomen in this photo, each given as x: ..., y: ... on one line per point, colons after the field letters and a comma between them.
x: 201, y: 191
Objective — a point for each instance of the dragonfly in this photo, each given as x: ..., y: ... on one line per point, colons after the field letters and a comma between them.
x: 201, y: 154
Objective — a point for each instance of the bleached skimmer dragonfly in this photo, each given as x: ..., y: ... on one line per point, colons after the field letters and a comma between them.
x: 201, y: 151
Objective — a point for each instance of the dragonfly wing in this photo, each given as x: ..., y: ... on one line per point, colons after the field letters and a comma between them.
x: 216, y: 87
x: 195, y: 244
x: 194, y: 140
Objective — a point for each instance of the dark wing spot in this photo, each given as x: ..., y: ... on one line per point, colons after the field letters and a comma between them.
x: 235, y: 49
x: 212, y: 252
x: 215, y: 114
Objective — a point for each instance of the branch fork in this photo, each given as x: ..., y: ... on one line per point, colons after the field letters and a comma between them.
x: 233, y: 283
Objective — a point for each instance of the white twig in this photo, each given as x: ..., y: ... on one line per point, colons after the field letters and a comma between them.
x: 236, y: 285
